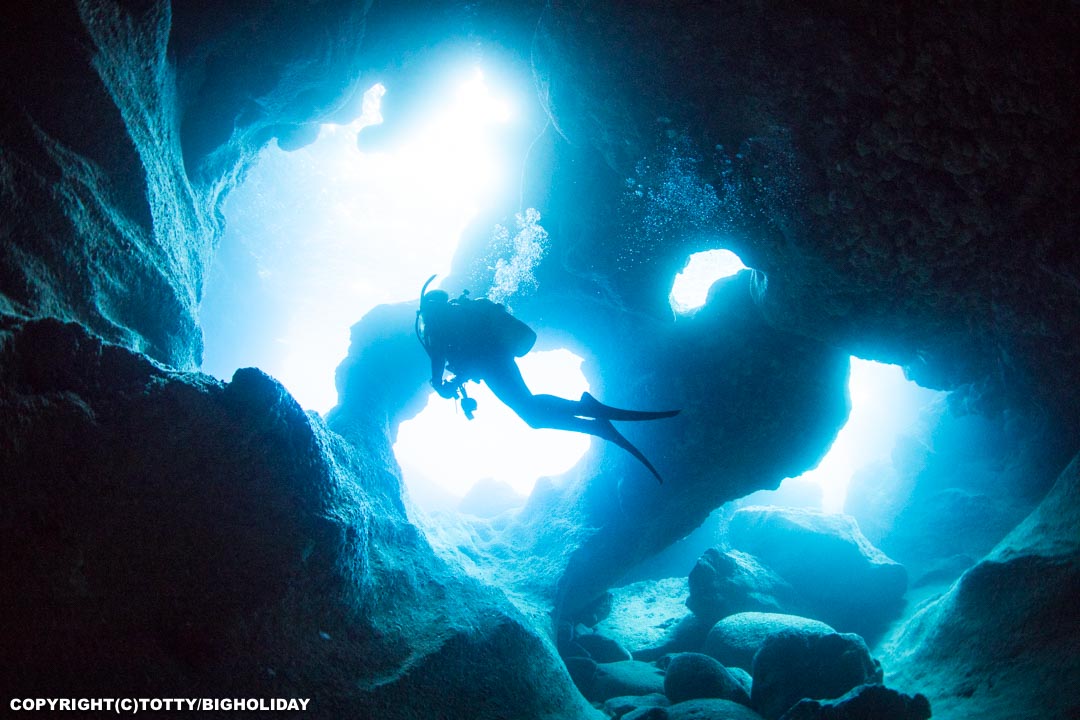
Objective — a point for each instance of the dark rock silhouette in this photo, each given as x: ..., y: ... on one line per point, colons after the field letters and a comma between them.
x: 723, y: 583
x: 690, y: 676
x: 735, y: 640
x: 172, y: 533
x: 792, y: 665
x: 865, y: 701
x: 837, y: 575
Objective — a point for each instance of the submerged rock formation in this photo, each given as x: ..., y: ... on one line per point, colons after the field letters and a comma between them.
x: 1001, y: 642
x: 165, y: 534
x: 900, y: 178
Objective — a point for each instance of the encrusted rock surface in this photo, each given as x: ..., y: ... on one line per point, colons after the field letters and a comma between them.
x: 834, y: 570
x: 866, y: 701
x: 725, y: 582
x: 736, y: 639
x: 165, y: 534
x: 792, y: 665
x: 1002, y: 641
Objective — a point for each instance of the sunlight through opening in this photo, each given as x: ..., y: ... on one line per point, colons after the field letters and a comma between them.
x: 318, y: 236
x: 691, y: 287
x: 884, y: 406
x: 443, y: 455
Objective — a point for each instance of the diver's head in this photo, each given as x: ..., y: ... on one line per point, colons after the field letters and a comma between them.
x: 433, y: 300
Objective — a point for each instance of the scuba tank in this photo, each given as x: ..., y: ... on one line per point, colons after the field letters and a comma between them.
x: 468, y: 404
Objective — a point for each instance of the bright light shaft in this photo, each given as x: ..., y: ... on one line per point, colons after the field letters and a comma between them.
x: 884, y: 405
x: 691, y: 287
x: 440, y: 444
x: 335, y: 231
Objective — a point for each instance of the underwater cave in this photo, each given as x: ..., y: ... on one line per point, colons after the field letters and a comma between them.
x: 840, y: 241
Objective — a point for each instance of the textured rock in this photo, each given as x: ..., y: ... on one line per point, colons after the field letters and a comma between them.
x: 630, y: 677
x: 901, y: 181
x: 711, y: 709
x: 649, y: 619
x: 792, y: 665
x: 865, y: 701
x: 164, y: 533
x: 890, y: 176
x: 582, y: 671
x: 602, y: 649
x: 729, y: 439
x: 690, y: 676
x: 955, y: 488
x: 736, y: 639
x: 647, y: 713
x: 838, y: 575
x: 723, y: 583
x: 617, y: 707
x: 742, y: 677
x: 106, y: 109
x: 1017, y: 603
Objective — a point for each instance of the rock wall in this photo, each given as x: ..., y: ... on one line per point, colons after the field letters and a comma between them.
x: 124, y: 125
x: 899, y: 172
x: 1001, y: 642
x: 167, y: 535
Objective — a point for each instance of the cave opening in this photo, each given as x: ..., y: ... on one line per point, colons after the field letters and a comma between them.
x: 886, y: 407
x: 317, y: 236
x: 490, y: 464
x: 690, y: 289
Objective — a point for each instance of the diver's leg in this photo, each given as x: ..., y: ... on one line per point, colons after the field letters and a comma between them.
x: 548, y: 411
x: 591, y: 407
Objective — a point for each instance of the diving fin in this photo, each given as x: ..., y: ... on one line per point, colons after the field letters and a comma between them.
x: 616, y: 437
x: 591, y: 407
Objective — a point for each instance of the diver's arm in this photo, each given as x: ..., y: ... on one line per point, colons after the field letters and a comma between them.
x: 438, y: 365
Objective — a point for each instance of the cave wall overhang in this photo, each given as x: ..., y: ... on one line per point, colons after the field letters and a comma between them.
x: 905, y: 184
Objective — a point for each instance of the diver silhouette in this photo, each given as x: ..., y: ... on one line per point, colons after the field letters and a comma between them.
x: 477, y: 339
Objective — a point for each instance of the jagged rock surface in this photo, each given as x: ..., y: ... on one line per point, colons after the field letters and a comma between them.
x: 736, y: 639
x: 725, y: 582
x: 792, y: 665
x: 166, y: 534
x: 1001, y: 642
x: 836, y: 573
x: 866, y: 701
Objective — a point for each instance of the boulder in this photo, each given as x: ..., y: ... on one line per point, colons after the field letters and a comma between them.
x: 582, y: 671
x: 601, y: 648
x: 866, y: 701
x: 742, y: 677
x: 164, y: 531
x: 792, y: 665
x: 692, y: 675
x: 647, y: 713
x: 617, y: 707
x: 735, y: 640
x: 726, y: 582
x: 630, y: 677
x: 1001, y: 643
x: 839, y: 576
x: 711, y: 709
x: 649, y: 618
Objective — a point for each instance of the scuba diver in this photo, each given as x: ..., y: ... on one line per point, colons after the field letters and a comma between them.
x: 478, y: 340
